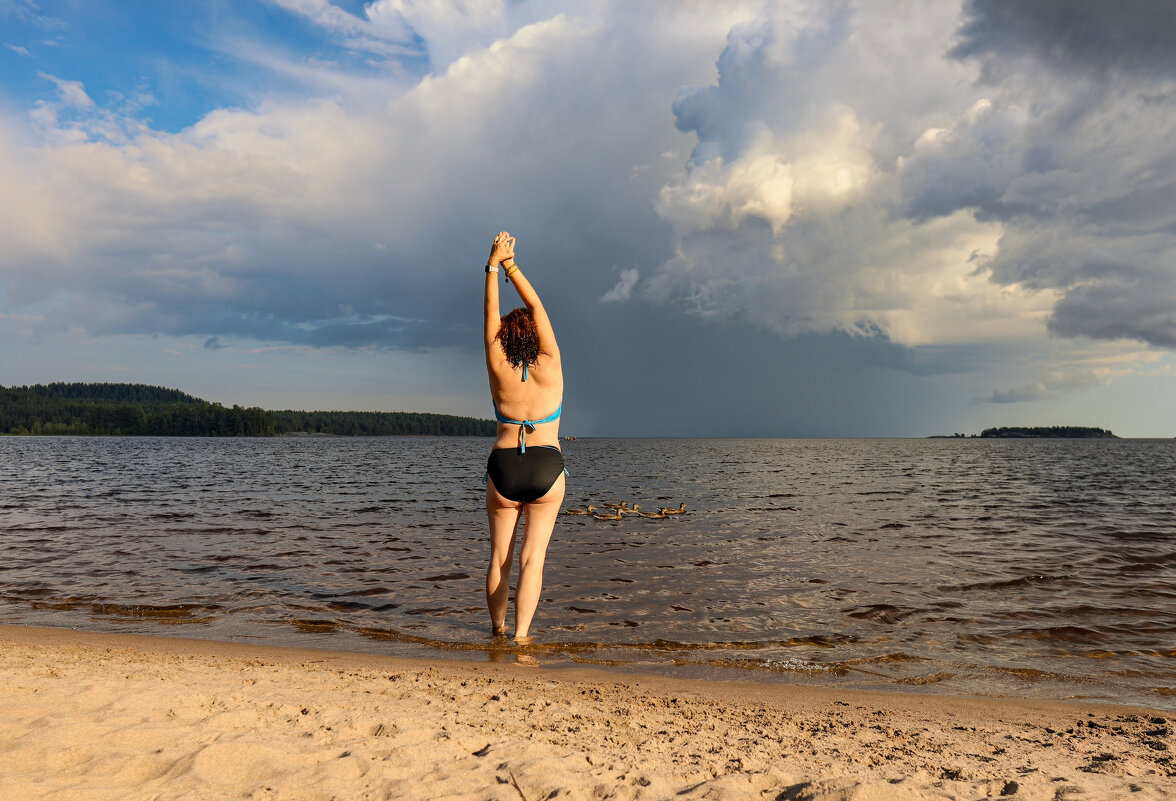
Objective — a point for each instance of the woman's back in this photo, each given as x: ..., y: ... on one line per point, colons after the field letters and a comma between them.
x: 536, y: 398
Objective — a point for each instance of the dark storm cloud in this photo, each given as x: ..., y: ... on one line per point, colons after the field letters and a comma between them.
x: 342, y: 329
x: 1091, y: 36
x: 1116, y: 310
x: 1073, y: 150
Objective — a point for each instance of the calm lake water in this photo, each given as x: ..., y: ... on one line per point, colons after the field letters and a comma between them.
x: 1038, y: 568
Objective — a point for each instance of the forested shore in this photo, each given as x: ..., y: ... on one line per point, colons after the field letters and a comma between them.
x: 1047, y: 432
x: 141, y: 410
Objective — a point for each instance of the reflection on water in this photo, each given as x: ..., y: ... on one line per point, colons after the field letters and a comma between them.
x: 1045, y: 568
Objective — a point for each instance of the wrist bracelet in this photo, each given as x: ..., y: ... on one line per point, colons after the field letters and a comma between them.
x: 511, y: 270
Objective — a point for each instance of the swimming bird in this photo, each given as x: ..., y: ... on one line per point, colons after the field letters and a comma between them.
x: 656, y: 515
x: 621, y: 505
x: 634, y: 509
x: 681, y: 510
x: 617, y: 516
x: 587, y: 511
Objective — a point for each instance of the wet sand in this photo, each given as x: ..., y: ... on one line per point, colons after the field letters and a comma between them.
x: 97, y: 716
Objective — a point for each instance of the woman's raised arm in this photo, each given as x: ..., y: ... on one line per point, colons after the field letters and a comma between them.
x: 530, y: 298
x: 501, y: 250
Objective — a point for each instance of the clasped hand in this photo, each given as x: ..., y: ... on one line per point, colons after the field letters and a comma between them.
x: 502, y: 249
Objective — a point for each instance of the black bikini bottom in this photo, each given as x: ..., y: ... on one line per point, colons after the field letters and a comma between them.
x: 525, y: 476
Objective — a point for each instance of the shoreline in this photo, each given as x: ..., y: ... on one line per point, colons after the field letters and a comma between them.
x: 105, y: 716
x: 559, y: 655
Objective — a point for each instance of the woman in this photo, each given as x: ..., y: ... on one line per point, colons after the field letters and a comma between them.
x: 525, y: 475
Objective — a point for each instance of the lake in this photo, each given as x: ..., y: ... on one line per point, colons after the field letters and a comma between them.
x: 1040, y: 568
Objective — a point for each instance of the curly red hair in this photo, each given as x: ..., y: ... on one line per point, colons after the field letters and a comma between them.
x: 519, y: 337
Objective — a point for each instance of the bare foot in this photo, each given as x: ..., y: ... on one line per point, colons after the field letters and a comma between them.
x: 498, y: 631
x: 524, y: 640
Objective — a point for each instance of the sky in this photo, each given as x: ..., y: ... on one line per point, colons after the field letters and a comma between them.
x: 745, y: 218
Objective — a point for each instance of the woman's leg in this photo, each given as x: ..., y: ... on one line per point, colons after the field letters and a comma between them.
x: 541, y: 517
x: 504, y: 520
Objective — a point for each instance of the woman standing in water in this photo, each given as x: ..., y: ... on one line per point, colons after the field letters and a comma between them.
x: 525, y: 469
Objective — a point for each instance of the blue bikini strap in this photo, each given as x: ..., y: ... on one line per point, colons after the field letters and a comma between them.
x: 524, y: 371
x: 527, y: 424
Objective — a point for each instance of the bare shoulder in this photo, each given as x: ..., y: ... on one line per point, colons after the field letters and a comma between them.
x: 500, y: 371
x: 549, y: 370
x: 547, y: 359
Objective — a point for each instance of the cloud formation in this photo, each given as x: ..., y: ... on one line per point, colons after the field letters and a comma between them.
x: 795, y: 187
x: 1074, y: 155
x: 72, y: 92
x: 926, y: 183
x: 623, y: 288
x: 943, y: 184
x: 1052, y: 384
x: 1092, y: 37
x: 331, y: 221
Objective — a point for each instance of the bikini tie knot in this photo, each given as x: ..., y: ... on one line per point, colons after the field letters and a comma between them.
x: 527, y: 425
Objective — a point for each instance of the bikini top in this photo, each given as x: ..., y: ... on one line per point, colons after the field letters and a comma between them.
x: 526, y: 424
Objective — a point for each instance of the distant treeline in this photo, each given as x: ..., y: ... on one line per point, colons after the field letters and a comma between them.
x: 138, y: 409
x: 1062, y: 432
x: 376, y: 424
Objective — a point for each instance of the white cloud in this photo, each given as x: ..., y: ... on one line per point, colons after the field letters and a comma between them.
x: 623, y: 288
x: 387, y: 37
x: 262, y: 222
x: 818, y: 172
x: 450, y: 28
x: 789, y: 211
x: 73, y: 93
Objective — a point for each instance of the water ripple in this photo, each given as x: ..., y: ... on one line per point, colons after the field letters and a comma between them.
x: 1045, y: 568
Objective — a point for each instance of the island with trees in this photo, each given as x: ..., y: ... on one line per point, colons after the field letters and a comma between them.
x: 1036, y: 432
x: 141, y: 410
x: 1050, y: 432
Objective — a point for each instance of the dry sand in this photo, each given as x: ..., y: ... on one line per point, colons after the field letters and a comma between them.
x: 89, y: 716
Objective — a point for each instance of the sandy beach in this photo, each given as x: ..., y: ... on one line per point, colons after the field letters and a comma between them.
x: 96, y: 716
